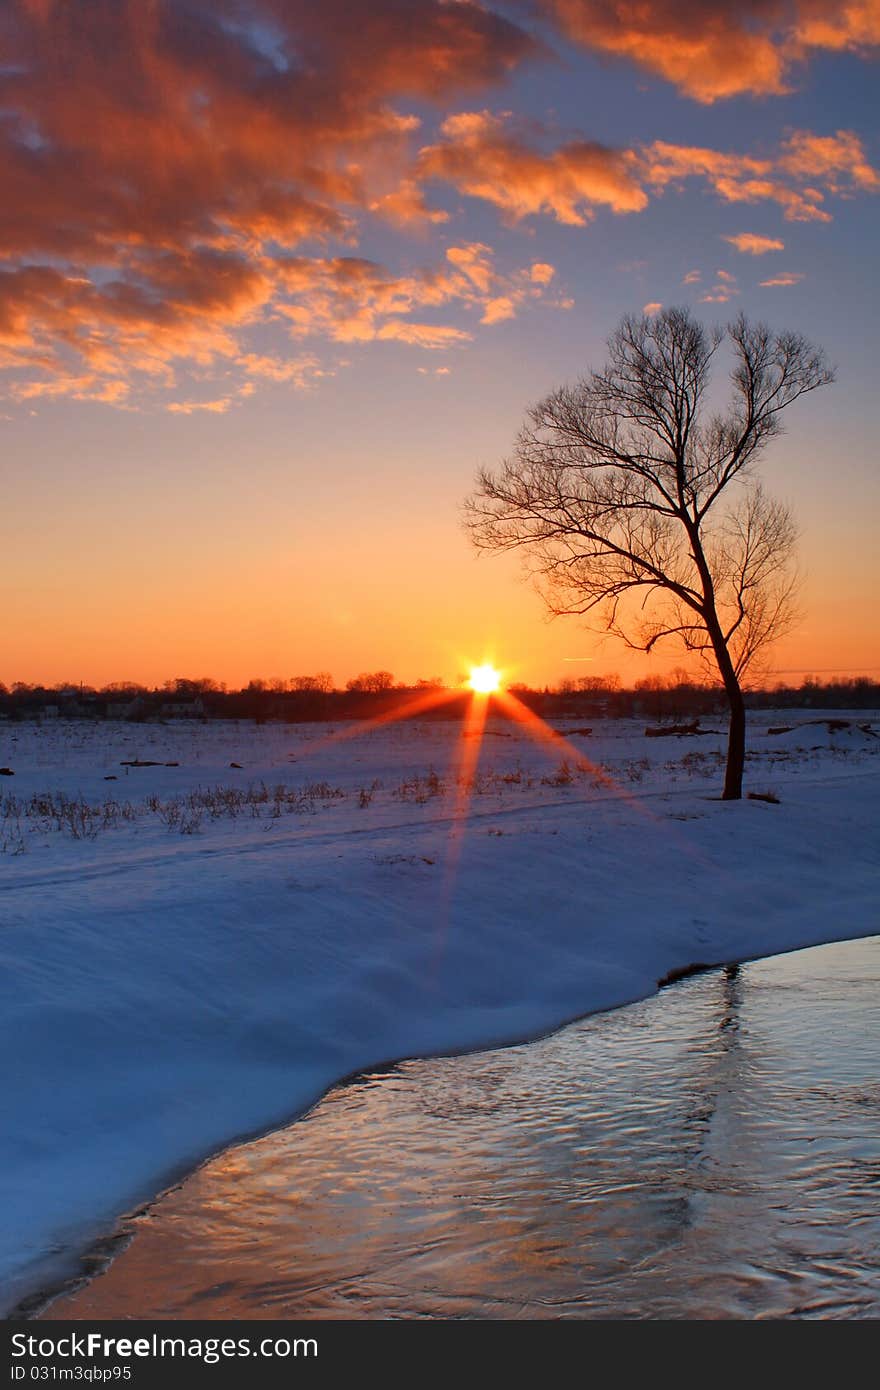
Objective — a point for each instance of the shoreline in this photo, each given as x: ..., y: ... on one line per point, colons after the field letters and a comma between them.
x: 106, y: 1247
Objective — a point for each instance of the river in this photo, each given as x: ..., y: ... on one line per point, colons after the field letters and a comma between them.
x: 713, y: 1151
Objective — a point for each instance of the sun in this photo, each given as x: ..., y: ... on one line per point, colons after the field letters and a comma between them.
x: 484, y: 680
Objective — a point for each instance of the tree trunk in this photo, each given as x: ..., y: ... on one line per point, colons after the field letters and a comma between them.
x: 736, y: 742
x: 736, y: 738
x: 736, y: 734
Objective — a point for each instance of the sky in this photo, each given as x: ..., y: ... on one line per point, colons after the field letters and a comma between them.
x: 278, y: 277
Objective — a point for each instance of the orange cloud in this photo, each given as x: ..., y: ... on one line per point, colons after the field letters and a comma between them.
x: 711, y: 51
x: 541, y: 273
x: 300, y: 372
x: 704, y: 49
x: 723, y: 290
x: 788, y: 178
x: 187, y: 306
x: 852, y: 26
x: 158, y: 159
x: 175, y: 175
x: 839, y: 160
x: 424, y: 335
x: 405, y: 206
x: 785, y: 277
x: 81, y: 388
x: 480, y: 158
x: 475, y: 261
x: 349, y: 299
x: 497, y: 310
x: 752, y: 245
x: 218, y: 407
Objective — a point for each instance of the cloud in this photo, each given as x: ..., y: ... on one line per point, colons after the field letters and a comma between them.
x: 653, y: 308
x: 405, y: 206
x: 350, y: 299
x: 785, y: 277
x: 189, y: 306
x: 158, y: 161
x: 541, y: 273
x: 475, y: 261
x: 712, y: 50
x: 482, y: 158
x: 706, y: 50
x: 497, y: 310
x: 177, y: 174
x: 826, y: 24
x: 796, y: 177
x: 218, y: 407
x: 752, y: 245
x: 301, y: 372
x: 81, y: 388
x: 425, y: 335
x: 839, y: 160
x: 693, y: 277
x: 723, y: 290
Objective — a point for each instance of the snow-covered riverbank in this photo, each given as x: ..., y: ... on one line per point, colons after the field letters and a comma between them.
x: 165, y: 992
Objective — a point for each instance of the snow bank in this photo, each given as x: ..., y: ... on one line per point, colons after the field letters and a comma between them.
x: 163, y: 995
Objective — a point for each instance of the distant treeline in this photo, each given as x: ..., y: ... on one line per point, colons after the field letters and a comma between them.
x: 371, y: 695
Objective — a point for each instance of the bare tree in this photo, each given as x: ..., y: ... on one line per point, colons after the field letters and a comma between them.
x: 320, y: 683
x: 635, y: 501
x: 371, y: 682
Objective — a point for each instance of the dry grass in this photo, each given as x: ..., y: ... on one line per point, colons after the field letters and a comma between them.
x: 82, y: 819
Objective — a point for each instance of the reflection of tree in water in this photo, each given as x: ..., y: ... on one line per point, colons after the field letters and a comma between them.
x: 723, y: 1079
x: 717, y: 1167
x: 732, y: 997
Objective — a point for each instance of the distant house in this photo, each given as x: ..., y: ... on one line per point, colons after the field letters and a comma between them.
x: 134, y: 708
x: 183, y: 709
x: 76, y: 706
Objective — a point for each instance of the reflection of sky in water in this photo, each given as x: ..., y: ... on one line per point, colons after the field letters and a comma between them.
x: 713, y: 1151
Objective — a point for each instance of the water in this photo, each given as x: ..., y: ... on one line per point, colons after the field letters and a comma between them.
x: 711, y: 1152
